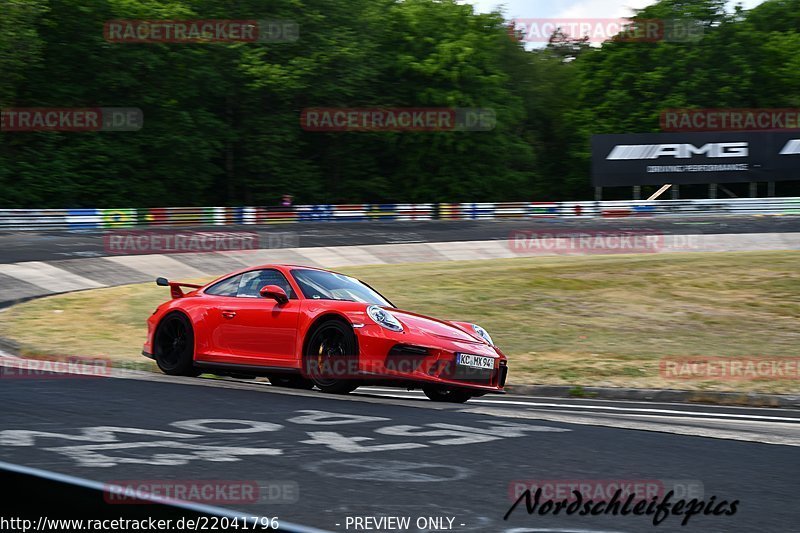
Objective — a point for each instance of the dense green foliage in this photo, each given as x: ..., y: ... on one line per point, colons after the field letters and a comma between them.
x: 222, y: 120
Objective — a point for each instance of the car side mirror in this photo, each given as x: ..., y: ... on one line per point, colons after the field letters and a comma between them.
x: 274, y: 292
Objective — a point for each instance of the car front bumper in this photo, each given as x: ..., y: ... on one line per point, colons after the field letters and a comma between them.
x: 427, y: 360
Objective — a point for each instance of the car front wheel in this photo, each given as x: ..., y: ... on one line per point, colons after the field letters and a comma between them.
x: 330, y: 355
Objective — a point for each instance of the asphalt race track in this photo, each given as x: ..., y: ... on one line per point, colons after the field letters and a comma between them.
x: 61, y: 244
x: 382, y: 452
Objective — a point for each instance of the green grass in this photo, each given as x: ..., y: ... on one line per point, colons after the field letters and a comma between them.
x: 582, y: 321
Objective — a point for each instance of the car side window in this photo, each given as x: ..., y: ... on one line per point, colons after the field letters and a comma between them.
x: 252, y: 282
x: 226, y: 287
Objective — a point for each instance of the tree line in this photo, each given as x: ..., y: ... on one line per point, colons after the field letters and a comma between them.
x: 222, y: 120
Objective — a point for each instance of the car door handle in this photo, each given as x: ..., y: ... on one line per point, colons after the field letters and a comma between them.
x: 229, y: 314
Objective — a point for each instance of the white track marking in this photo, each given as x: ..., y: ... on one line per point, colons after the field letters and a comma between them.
x: 418, y: 394
x: 658, y: 426
x: 457, y: 437
x: 669, y: 412
x: 23, y: 437
x: 640, y: 410
x: 326, y: 418
x: 179, y: 453
x: 344, y: 444
x: 201, y: 425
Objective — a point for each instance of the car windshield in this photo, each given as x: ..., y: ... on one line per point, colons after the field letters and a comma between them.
x: 322, y: 285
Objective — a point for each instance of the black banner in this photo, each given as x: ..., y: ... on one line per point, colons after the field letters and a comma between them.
x: 684, y: 158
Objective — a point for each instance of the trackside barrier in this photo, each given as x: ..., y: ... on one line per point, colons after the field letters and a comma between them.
x: 73, y: 498
x: 91, y: 219
x: 448, y: 211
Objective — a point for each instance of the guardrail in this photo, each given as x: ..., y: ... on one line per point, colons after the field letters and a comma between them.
x: 83, y: 219
x: 56, y: 502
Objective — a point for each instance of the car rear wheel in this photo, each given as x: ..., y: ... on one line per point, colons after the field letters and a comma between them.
x: 330, y: 351
x: 174, y: 346
x: 441, y: 394
x: 291, y: 382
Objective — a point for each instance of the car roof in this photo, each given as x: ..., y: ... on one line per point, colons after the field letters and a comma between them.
x: 285, y: 268
x: 279, y: 266
x: 288, y: 266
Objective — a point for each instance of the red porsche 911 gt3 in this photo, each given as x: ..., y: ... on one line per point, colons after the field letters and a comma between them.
x: 304, y: 327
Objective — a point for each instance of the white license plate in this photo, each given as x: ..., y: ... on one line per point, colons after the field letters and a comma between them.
x: 475, y: 361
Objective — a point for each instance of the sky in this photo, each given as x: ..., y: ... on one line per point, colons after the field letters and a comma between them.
x: 572, y: 8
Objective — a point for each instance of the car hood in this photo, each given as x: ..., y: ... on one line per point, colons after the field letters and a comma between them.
x: 431, y: 326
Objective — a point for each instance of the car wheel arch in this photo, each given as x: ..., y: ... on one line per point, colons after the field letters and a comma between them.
x: 179, y: 367
x: 172, y: 312
x: 321, y: 320
x: 183, y: 314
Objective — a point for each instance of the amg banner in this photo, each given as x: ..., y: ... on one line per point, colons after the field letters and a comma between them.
x: 682, y: 158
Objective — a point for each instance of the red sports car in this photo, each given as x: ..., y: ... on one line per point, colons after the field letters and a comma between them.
x: 304, y: 327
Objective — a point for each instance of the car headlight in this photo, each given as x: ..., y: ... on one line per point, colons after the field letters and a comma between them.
x: 482, y: 332
x: 384, y: 318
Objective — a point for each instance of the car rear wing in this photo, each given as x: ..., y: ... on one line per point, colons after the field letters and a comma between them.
x: 175, y: 287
